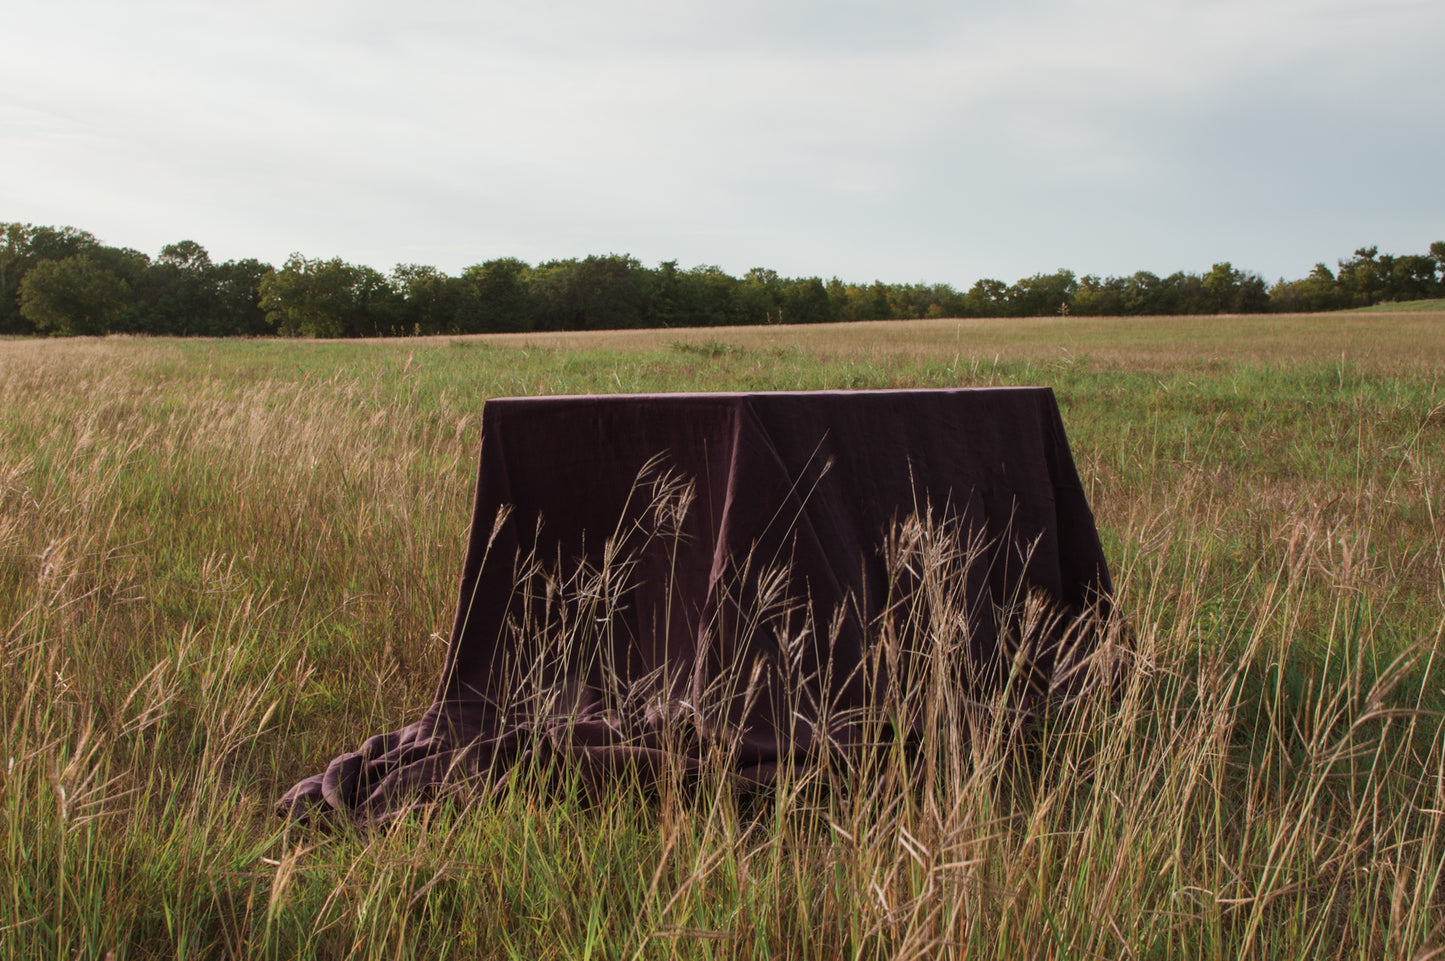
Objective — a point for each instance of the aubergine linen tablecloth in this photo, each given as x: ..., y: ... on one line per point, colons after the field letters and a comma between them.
x: 659, y: 542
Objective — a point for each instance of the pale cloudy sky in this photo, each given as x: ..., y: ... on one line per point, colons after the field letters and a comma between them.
x: 903, y: 141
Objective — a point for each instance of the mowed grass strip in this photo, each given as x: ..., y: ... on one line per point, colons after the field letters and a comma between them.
x: 1406, y: 306
x: 222, y: 563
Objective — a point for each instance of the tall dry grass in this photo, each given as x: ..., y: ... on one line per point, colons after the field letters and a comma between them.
x: 208, y: 549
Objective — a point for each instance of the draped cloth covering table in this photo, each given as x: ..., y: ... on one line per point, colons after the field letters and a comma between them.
x: 663, y: 582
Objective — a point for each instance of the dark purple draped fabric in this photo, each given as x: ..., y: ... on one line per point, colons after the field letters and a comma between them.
x: 734, y: 529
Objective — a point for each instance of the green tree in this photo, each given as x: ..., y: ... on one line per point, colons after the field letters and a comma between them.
x: 612, y: 292
x: 1233, y: 291
x: 805, y: 301
x: 712, y: 296
x: 1099, y: 297
x: 73, y: 296
x: 1042, y: 295
x: 759, y: 298
x: 1412, y: 277
x: 916, y: 301
x: 664, y: 298
x: 1184, y: 293
x: 987, y: 298
x: 852, y: 302
x: 1142, y: 294
x: 876, y: 303
x: 494, y: 297
x: 133, y: 267
x: 310, y: 298
x: 430, y: 300
x: 553, y: 298
x: 22, y: 246
x: 596, y: 293
x: 176, y: 294
x: 1318, y: 291
x: 380, y: 307
x: 185, y: 255
x: 945, y: 301
x: 1360, y: 278
x: 238, y: 309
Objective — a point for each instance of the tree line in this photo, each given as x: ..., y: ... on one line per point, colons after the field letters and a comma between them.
x: 63, y: 281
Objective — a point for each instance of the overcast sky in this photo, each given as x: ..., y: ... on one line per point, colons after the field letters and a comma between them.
x: 903, y: 141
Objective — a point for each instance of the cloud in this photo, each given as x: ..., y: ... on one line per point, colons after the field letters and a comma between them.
x: 938, y: 141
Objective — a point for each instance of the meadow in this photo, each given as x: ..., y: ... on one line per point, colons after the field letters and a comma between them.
x: 224, y: 562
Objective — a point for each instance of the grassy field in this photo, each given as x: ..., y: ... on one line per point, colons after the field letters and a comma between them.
x: 223, y: 563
